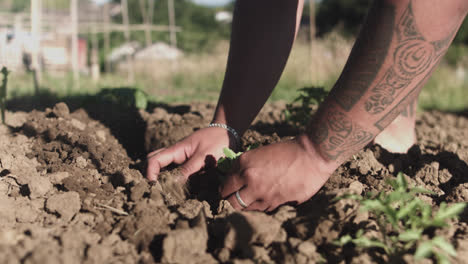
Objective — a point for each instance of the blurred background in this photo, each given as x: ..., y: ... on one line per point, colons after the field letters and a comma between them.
x: 176, y: 50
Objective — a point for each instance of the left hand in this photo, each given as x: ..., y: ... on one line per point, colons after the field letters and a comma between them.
x: 266, y: 177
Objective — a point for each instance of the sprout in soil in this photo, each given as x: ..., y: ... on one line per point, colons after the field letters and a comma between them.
x: 224, y: 164
x: 405, y: 222
x: 3, y: 92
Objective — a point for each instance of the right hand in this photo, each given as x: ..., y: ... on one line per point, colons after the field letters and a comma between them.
x: 192, y: 152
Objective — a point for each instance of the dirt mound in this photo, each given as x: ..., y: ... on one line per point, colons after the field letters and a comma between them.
x: 70, y: 193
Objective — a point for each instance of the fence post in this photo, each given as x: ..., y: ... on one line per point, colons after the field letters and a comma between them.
x: 74, y: 40
x: 131, y: 75
x: 36, y: 8
x: 312, y: 38
x: 172, y: 27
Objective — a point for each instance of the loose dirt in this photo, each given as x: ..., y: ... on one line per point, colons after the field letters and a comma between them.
x: 72, y: 191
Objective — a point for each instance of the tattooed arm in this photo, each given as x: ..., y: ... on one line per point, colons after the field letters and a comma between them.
x: 395, y: 54
x: 397, y: 49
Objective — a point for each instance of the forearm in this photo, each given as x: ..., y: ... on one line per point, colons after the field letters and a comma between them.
x: 398, y: 48
x: 263, y: 32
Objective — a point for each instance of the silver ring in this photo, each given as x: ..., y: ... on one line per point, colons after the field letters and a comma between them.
x: 239, y: 199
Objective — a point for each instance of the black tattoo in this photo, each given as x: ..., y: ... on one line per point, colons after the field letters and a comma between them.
x: 407, y: 102
x: 367, y: 56
x: 408, y: 111
x: 413, y: 56
x: 341, y: 136
x: 319, y: 134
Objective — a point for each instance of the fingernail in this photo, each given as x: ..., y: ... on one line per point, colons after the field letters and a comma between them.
x: 152, y: 178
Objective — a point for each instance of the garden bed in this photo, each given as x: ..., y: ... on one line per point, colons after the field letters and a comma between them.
x: 72, y: 191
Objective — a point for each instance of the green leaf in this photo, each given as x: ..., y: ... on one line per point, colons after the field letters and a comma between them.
x: 373, y: 205
x: 141, y: 102
x: 393, y: 183
x: 359, y: 233
x: 441, y: 258
x: 343, y: 240
x: 409, y: 208
x: 253, y: 146
x: 444, y: 245
x: 426, y: 212
x: 420, y: 190
x: 449, y: 212
x: 424, y: 250
x: 368, y: 243
x: 230, y: 154
x: 401, y: 181
x: 390, y: 213
x: 347, y: 196
x: 410, y: 235
x: 436, y: 223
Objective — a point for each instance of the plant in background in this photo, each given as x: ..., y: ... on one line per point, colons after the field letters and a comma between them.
x: 298, y: 112
x: 128, y: 97
x: 405, y: 222
x: 3, y: 92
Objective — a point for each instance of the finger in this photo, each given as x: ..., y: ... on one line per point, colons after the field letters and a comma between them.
x: 274, y: 205
x: 153, y: 153
x: 192, y: 166
x: 258, y: 205
x: 174, y: 154
x: 245, y: 195
x: 233, y: 183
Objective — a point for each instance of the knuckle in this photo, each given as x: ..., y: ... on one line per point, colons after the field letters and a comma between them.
x: 243, y: 159
x: 250, y: 175
x: 186, y: 170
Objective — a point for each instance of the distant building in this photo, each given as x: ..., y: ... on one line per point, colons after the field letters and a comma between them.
x: 223, y: 17
x: 55, y: 38
x: 159, y: 51
x: 54, y: 54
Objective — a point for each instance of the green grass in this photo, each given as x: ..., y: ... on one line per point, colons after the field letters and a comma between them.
x: 199, y: 77
x: 445, y: 91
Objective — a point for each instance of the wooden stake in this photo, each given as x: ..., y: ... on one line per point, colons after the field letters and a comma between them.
x: 95, y: 71
x: 312, y: 36
x: 36, y: 7
x: 172, y: 26
x: 131, y: 74
x: 74, y: 40
x: 147, y: 19
x: 107, y: 36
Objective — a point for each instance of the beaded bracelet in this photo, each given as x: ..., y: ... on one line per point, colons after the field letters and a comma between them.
x: 228, y: 128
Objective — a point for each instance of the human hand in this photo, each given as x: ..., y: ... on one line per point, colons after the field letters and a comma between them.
x: 193, y: 152
x: 269, y: 176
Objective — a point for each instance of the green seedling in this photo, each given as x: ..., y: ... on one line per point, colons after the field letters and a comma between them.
x: 298, y: 112
x: 225, y: 163
x: 3, y: 92
x: 405, y: 222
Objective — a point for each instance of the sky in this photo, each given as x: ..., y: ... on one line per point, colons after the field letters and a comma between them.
x: 200, y: 2
x: 212, y: 2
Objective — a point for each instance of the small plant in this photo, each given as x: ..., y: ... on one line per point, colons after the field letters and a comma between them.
x: 298, y: 112
x: 128, y: 97
x: 405, y: 222
x: 3, y: 92
x: 224, y: 164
